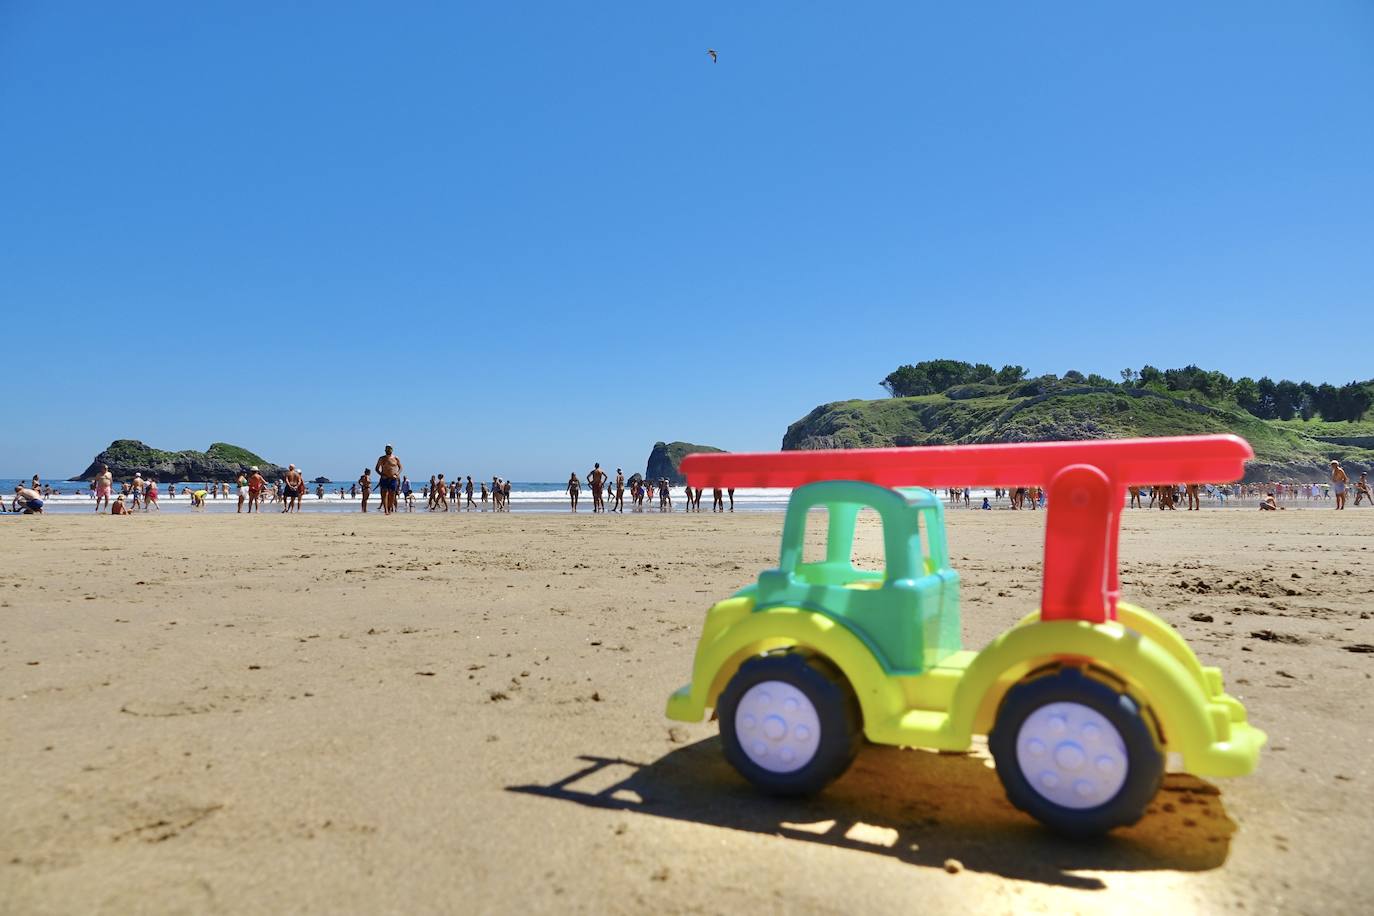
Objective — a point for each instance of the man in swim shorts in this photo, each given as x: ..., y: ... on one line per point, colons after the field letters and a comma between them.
x: 1339, y: 479
x: 295, y: 487
x: 1362, y: 489
x: 27, y: 500
x: 389, y: 479
x: 619, y: 505
x: 596, y: 479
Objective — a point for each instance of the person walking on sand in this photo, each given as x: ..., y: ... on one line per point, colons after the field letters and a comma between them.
x: 468, y: 486
x: 365, y: 485
x: 574, y: 490
x: 150, y: 495
x: 242, y: 485
x: 1194, y: 498
x: 389, y: 479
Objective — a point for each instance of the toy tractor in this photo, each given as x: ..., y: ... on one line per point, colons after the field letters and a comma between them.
x: 1083, y: 702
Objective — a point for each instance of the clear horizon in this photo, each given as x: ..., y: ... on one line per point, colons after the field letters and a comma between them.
x: 518, y: 238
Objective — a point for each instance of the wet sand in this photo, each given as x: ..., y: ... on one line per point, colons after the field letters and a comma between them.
x: 324, y: 714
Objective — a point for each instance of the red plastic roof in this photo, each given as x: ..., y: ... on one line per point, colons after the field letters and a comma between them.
x: 1173, y: 459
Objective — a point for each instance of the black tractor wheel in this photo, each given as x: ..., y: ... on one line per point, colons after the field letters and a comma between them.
x: 1075, y: 754
x: 789, y: 724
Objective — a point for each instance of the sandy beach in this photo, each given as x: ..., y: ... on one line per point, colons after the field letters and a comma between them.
x: 342, y: 713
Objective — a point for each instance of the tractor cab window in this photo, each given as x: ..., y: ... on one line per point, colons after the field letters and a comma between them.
x: 931, y: 551
x: 815, y: 543
x: 866, y: 552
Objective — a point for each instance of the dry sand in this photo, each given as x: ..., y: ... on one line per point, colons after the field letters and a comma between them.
x: 324, y: 714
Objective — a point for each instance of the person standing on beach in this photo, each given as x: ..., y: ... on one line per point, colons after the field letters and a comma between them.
x: 255, y: 484
x: 471, y: 505
x: 1194, y: 498
x: 1339, y: 479
x: 619, y: 505
x: 365, y: 485
x: 574, y: 490
x: 242, y: 485
x: 295, y: 487
x: 102, y: 484
x: 1362, y: 489
x: 597, y: 479
x: 389, y: 477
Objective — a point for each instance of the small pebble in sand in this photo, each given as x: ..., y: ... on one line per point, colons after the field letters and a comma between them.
x: 953, y: 866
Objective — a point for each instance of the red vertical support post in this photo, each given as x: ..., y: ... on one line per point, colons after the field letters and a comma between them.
x: 1076, y: 539
x: 1114, y: 509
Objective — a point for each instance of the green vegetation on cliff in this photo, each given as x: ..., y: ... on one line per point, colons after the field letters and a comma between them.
x: 220, y: 462
x: 1049, y: 408
x: 223, y: 451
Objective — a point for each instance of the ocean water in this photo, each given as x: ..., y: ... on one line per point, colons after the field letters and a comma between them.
x: 531, y: 497
x: 525, y: 497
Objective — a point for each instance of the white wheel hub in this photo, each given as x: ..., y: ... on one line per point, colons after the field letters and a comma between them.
x: 1072, y: 755
x: 777, y: 727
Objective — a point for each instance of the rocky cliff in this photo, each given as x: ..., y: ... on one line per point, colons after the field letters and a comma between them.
x: 666, y: 456
x: 1040, y: 410
x: 220, y: 461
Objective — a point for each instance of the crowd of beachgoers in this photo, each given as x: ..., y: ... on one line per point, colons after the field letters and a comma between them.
x: 606, y: 493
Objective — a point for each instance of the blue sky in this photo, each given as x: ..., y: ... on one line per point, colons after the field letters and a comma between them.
x: 516, y: 238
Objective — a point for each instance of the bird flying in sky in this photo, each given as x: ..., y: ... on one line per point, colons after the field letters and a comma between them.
x: 712, y: 52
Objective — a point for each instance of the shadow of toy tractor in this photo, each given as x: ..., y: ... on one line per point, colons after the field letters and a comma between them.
x: 919, y: 807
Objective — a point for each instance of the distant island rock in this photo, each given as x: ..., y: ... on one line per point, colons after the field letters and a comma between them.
x: 666, y: 456
x: 219, y: 462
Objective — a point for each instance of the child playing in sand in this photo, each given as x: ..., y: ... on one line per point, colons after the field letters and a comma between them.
x: 1362, y: 489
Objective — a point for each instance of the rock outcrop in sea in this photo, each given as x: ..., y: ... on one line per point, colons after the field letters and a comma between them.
x: 666, y: 456
x: 220, y: 462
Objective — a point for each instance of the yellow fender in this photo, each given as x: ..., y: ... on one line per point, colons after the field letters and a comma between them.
x: 733, y: 634
x: 1152, y: 627
x: 1152, y: 674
